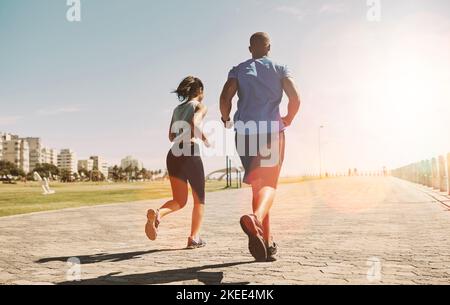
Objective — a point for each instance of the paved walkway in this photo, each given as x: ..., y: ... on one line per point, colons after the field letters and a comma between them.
x: 357, y: 230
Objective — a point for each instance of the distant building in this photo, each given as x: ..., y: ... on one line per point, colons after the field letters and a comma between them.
x: 3, y: 138
x: 7, y: 137
x: 16, y: 151
x: 26, y: 153
x: 1, y: 145
x: 129, y: 161
x: 67, y: 160
x: 87, y: 165
x: 49, y: 156
x: 40, y: 154
x: 100, y: 164
x: 35, y: 147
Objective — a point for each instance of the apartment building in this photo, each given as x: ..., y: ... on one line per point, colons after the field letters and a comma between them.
x: 40, y: 154
x: 49, y: 156
x: 3, y: 138
x: 87, y: 165
x: 16, y: 151
x: 129, y: 161
x: 67, y: 160
x: 100, y: 164
x: 26, y: 153
x: 35, y: 146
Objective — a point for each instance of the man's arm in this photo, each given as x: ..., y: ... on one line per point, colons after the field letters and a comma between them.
x: 294, y: 100
x: 226, y: 98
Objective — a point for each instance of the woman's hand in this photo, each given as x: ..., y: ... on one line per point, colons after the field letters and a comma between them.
x: 206, y: 142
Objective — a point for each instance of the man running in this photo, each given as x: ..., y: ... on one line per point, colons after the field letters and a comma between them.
x: 259, y: 83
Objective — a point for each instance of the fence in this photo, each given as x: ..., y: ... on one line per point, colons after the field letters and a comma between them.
x: 434, y: 173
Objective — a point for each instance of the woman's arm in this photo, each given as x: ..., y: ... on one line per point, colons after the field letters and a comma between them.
x: 199, y: 115
x: 172, y: 135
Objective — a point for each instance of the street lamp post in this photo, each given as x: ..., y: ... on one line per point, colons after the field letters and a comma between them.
x: 320, y: 150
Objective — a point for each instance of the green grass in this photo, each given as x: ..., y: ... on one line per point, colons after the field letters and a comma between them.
x: 27, y: 198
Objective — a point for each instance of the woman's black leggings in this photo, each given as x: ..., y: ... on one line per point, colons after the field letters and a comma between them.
x: 188, y: 169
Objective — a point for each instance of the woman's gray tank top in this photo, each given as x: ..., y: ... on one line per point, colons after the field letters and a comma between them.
x: 184, y: 113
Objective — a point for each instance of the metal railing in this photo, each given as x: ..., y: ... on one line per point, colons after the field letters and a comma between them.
x: 229, y: 174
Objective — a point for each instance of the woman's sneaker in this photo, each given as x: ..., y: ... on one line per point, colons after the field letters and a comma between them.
x: 195, y: 244
x: 254, y: 230
x: 151, y: 228
x: 271, y: 252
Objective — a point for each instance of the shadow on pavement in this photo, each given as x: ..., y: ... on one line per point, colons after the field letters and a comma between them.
x: 105, y: 257
x: 164, y: 276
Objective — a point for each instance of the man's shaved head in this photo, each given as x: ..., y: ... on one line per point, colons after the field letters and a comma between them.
x: 259, y: 44
x: 260, y: 39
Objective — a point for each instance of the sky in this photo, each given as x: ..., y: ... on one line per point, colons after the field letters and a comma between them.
x: 102, y: 86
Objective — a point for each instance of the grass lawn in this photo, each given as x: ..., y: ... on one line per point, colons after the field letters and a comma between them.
x: 27, y: 198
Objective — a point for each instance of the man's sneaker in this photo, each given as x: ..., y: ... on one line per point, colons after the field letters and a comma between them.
x: 271, y: 252
x: 254, y: 230
x: 195, y: 244
x: 151, y: 228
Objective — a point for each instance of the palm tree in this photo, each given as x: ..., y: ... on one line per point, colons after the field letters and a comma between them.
x: 66, y: 176
x: 115, y: 173
x: 129, y: 172
x: 97, y: 176
x: 84, y: 173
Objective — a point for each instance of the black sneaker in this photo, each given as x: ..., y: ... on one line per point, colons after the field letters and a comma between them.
x: 193, y: 244
x: 254, y: 230
x: 271, y: 252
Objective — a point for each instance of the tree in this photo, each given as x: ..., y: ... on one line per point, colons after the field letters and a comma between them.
x: 8, y: 168
x: 122, y: 174
x: 66, y: 176
x: 97, y: 176
x: 84, y: 173
x: 129, y: 172
x: 45, y: 170
x: 145, y: 174
x: 136, y: 173
x: 116, y: 173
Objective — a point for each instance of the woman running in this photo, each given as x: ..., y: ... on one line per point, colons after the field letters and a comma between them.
x: 184, y: 163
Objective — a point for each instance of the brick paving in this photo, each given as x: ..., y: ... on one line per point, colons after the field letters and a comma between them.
x: 357, y: 230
